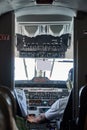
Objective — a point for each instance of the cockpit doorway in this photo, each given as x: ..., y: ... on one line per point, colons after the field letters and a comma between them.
x: 43, y: 59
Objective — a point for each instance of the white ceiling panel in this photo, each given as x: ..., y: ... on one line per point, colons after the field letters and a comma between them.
x: 30, y: 5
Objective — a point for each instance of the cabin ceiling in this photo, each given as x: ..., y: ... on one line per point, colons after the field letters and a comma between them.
x: 30, y: 6
x: 29, y: 14
x: 31, y: 17
x: 28, y: 11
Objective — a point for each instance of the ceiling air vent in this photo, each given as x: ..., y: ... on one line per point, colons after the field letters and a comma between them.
x: 44, y: 1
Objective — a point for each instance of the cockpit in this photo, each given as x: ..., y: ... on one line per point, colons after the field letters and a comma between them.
x: 42, y: 64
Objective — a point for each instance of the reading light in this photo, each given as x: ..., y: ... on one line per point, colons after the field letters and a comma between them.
x: 44, y: 1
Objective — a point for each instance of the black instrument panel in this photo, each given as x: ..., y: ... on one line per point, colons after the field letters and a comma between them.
x: 40, y: 95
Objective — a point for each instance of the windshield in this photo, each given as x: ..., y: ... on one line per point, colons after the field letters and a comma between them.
x: 53, y: 69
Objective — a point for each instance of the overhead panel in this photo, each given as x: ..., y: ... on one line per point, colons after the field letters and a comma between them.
x: 43, y: 46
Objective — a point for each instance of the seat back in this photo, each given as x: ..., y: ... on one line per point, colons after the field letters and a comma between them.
x: 68, y: 123
x: 83, y: 109
x: 85, y: 123
x: 8, y: 94
x: 7, y: 121
x: 67, y: 116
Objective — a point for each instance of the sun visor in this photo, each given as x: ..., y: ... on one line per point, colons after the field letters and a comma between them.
x: 43, y: 65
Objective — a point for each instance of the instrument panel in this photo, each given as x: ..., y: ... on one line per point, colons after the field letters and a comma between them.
x: 40, y: 94
x: 40, y: 99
